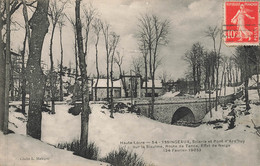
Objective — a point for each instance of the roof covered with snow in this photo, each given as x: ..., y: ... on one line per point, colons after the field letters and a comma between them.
x: 158, y: 84
x: 102, y: 83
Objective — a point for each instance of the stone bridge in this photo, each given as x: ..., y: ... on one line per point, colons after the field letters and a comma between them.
x: 191, y: 110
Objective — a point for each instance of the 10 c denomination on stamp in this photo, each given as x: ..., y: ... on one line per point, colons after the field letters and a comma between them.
x: 241, y: 23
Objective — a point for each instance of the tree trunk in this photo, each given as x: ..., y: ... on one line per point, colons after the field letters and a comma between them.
x: 246, y: 94
x: 23, y: 87
x: 216, y: 101
x: 257, y: 76
x: 225, y: 85
x: 111, y: 91
x: 96, y: 46
x: 222, y: 78
x: 107, y: 77
x: 77, y: 73
x: 27, y: 36
x: 84, y: 84
x: 146, y: 72
x: 153, y: 98
x: 52, y: 84
x: 209, y: 89
x: 2, y: 73
x: 210, y: 102
x: 199, y: 77
x: 236, y: 74
x: 212, y: 74
x: 106, y: 37
x: 7, y: 67
x: 61, y: 65
x: 11, y: 77
x: 194, y: 79
x: 124, y: 83
x: 246, y: 79
x: 39, y: 24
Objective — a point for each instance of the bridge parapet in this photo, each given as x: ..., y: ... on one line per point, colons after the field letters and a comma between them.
x: 190, y: 109
x: 164, y: 111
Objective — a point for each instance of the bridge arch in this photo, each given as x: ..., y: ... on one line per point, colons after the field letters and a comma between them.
x: 183, y: 114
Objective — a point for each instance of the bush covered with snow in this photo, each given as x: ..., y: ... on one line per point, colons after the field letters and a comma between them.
x: 90, y: 152
x: 124, y: 157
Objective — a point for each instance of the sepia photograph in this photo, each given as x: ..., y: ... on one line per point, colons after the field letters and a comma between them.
x: 129, y: 83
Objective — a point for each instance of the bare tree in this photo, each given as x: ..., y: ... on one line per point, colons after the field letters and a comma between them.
x: 26, y: 37
x: 73, y: 23
x: 97, y: 28
x: 246, y: 79
x: 143, y: 48
x: 224, y: 60
x: 213, y: 32
x: 194, y: 58
x: 112, y: 45
x: 84, y: 84
x: 106, y: 33
x: 55, y: 14
x: 2, y: 70
x: 153, y: 31
x: 164, y: 76
x: 39, y: 24
x: 7, y: 66
x: 137, y: 64
x: 7, y: 8
x: 246, y: 57
x: 208, y: 67
x: 61, y: 24
x: 89, y: 16
x: 119, y: 60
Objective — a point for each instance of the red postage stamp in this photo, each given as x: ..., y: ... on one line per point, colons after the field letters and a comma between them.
x: 241, y: 23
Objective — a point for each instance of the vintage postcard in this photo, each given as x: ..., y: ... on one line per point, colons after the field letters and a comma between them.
x: 129, y: 83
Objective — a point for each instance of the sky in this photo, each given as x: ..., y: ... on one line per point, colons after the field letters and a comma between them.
x: 189, y: 19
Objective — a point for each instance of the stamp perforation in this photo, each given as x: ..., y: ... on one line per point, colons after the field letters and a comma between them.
x: 245, y: 34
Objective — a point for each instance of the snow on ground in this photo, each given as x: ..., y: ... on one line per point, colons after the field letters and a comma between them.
x: 109, y: 134
x: 170, y: 94
x: 58, y: 128
x: 17, y: 121
x: 18, y: 150
x: 221, y: 114
x: 253, y: 95
x: 222, y: 92
x: 61, y: 127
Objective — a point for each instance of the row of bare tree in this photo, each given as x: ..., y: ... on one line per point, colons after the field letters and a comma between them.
x: 152, y: 34
x: 205, y: 67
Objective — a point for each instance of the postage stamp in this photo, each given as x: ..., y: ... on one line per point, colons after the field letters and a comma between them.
x: 241, y: 23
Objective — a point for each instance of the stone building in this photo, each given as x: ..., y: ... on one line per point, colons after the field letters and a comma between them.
x: 157, y: 87
x: 102, y: 88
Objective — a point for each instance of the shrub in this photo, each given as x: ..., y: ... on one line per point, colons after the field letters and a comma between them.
x: 76, y: 110
x: 45, y: 108
x: 90, y: 152
x: 123, y: 157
